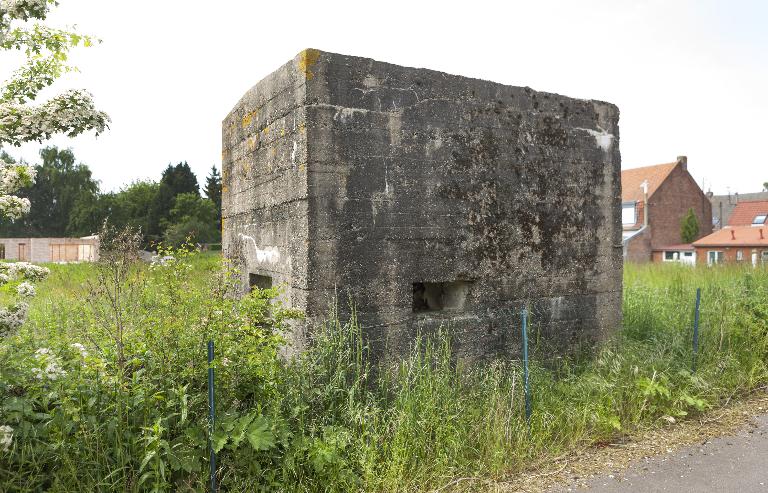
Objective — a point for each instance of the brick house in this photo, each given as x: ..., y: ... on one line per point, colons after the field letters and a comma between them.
x: 743, y: 240
x: 724, y: 205
x: 654, y: 201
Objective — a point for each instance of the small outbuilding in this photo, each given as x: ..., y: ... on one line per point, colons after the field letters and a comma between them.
x: 425, y: 200
x: 85, y: 249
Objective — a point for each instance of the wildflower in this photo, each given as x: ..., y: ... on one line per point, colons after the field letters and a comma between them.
x: 81, y: 348
x: 12, y: 318
x: 52, y: 369
x: 6, y: 437
x: 224, y: 361
x: 25, y: 289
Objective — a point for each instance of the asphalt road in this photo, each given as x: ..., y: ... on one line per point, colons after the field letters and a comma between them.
x: 737, y: 463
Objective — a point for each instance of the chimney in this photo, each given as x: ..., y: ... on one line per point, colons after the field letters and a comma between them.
x: 683, y: 160
x: 644, y: 186
x: 720, y: 217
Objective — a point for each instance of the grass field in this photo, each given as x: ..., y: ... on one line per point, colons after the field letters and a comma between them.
x: 128, y: 411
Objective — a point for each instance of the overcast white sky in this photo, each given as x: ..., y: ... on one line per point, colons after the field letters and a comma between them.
x: 690, y: 77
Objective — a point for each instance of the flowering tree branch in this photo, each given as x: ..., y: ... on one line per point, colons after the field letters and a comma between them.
x: 21, y: 120
x: 46, y: 51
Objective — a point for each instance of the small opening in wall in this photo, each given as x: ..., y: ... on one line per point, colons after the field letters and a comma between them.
x: 437, y: 296
x: 259, y: 281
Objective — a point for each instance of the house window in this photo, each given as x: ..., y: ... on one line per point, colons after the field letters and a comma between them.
x: 714, y: 257
x: 628, y: 214
x: 765, y: 256
x: 688, y: 254
x: 739, y: 255
x: 671, y: 256
x: 759, y: 220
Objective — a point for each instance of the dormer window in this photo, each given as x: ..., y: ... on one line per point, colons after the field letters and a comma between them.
x: 628, y: 213
x: 759, y: 220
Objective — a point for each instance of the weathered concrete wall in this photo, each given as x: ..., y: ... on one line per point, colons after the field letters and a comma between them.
x: 396, y: 176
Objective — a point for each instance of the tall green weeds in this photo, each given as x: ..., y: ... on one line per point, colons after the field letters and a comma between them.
x: 326, y: 421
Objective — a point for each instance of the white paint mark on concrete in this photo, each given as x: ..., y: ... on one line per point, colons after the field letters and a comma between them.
x: 603, y: 139
x: 293, y: 153
x: 345, y: 114
x: 270, y: 255
x: 386, y: 178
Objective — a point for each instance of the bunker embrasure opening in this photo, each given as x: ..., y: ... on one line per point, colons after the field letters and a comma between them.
x: 437, y: 296
x: 259, y: 281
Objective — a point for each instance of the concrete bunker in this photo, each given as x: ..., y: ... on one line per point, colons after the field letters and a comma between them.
x: 427, y: 198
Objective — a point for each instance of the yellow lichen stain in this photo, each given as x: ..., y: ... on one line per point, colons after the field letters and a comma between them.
x: 282, y: 132
x: 302, y: 128
x: 301, y: 167
x: 307, y: 58
x: 251, y: 143
x: 248, y: 118
x: 246, y: 167
x: 266, y: 130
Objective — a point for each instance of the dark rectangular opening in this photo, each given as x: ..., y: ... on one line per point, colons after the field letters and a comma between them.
x: 439, y: 296
x: 259, y: 281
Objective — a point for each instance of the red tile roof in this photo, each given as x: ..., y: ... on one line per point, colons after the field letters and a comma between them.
x: 745, y: 212
x: 682, y: 246
x: 737, y: 236
x: 631, y: 179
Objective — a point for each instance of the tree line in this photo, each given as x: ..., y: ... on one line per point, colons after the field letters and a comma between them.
x: 67, y: 202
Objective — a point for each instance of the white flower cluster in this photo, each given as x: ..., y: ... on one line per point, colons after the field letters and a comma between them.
x: 158, y: 261
x: 6, y: 438
x: 15, y: 176
x: 23, y: 270
x: 13, y: 207
x: 23, y: 9
x: 81, y: 348
x: 12, y: 318
x: 26, y: 289
x: 70, y: 113
x: 52, y: 369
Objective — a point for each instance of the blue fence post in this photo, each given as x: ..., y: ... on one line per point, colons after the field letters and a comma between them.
x: 524, y: 315
x: 211, y: 416
x: 696, y: 328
